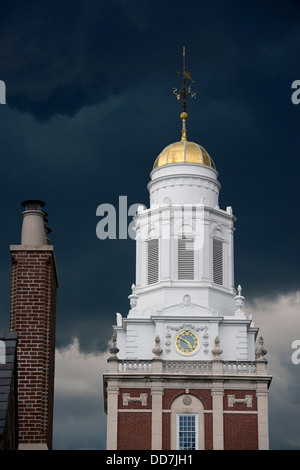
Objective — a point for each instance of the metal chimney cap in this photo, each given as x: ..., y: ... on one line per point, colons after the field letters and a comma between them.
x: 36, y: 202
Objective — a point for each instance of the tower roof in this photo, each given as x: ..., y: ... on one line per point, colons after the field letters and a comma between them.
x: 184, y: 151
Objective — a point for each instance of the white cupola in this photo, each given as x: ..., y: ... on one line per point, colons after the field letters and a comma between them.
x: 184, y: 240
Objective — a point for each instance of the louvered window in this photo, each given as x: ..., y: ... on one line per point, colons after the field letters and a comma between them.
x: 186, y: 258
x: 217, y: 262
x: 153, y: 262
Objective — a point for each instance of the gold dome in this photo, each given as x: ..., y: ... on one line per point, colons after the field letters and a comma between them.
x: 184, y: 152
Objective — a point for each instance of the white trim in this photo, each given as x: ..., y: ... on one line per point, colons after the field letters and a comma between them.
x: 134, y: 410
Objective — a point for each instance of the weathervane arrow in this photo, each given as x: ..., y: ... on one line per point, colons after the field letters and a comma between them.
x: 185, y: 91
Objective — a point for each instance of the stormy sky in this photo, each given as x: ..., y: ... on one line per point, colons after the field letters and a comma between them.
x: 89, y: 106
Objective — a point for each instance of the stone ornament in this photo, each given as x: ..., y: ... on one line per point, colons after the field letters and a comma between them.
x: 239, y: 301
x: 260, y: 351
x: 133, y: 298
x: 217, y: 350
x: 127, y: 399
x: 186, y: 300
x: 113, y: 350
x: 232, y: 400
x: 187, y: 400
x: 157, y: 350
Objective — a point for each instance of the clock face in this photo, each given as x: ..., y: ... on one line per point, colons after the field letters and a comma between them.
x: 186, y: 342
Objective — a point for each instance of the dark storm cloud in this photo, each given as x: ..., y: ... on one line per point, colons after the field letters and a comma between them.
x: 59, y: 57
x: 74, y: 54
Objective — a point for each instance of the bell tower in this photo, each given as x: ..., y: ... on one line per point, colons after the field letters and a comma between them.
x: 184, y: 371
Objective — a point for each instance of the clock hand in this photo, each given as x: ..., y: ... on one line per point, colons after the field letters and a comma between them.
x: 187, y: 342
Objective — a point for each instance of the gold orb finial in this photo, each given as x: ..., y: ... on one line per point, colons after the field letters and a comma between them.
x: 184, y: 115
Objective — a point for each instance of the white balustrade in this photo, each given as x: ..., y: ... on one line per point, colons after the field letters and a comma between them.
x: 135, y: 366
x: 188, y: 367
x: 238, y: 368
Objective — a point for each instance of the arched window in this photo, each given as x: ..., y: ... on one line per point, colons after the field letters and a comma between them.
x: 187, y: 423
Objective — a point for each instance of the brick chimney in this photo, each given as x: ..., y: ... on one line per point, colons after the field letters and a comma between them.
x: 33, y: 316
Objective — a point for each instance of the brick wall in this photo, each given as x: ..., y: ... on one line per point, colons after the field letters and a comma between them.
x: 166, y: 431
x: 33, y: 306
x: 241, y: 428
x: 240, y: 432
x: 240, y: 425
x: 208, y: 420
x: 134, y: 427
x: 134, y: 431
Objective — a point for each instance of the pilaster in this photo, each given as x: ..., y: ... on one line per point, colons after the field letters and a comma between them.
x: 262, y: 416
x: 217, y: 405
x: 157, y: 397
x: 112, y: 415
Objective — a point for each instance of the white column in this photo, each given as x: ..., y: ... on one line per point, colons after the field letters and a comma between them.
x: 157, y: 395
x: 217, y: 405
x: 262, y: 416
x: 112, y: 415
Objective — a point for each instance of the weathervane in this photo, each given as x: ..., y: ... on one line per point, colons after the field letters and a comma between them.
x: 184, y: 93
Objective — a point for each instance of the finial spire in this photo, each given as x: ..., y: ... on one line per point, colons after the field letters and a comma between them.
x: 183, y: 94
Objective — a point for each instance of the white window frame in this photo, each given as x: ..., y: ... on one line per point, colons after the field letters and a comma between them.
x: 194, y: 415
